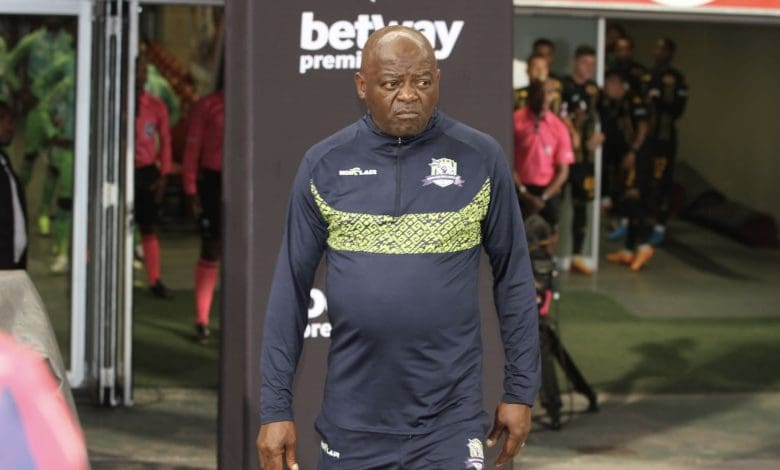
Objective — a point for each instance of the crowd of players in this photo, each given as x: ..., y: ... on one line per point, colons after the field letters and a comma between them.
x: 560, y: 122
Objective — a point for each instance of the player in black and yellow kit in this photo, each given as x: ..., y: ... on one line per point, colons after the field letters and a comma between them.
x: 667, y: 96
x: 636, y: 74
x: 580, y: 107
x: 624, y: 116
x: 539, y: 69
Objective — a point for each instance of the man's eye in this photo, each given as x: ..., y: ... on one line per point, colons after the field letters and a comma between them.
x: 424, y: 83
x: 390, y: 85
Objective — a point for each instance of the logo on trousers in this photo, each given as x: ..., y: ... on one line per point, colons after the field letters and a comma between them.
x: 476, y: 460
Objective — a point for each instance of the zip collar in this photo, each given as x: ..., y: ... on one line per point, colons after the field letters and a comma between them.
x: 379, y: 138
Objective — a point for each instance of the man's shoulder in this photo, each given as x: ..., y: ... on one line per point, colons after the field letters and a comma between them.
x: 338, y: 139
x: 482, y: 142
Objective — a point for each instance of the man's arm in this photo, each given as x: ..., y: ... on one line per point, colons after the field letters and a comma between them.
x: 561, y: 175
x: 193, y: 148
x: 166, y: 146
x: 515, y: 299
x: 286, y: 317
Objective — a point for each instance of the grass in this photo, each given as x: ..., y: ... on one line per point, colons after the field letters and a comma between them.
x: 616, y: 351
x: 619, y: 352
x: 165, y: 353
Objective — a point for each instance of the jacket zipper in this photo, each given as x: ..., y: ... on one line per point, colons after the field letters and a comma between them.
x: 397, y: 210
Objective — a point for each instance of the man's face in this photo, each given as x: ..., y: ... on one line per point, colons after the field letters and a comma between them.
x: 614, y: 88
x: 662, y: 53
x: 547, y: 52
x: 623, y: 50
x: 400, y: 85
x: 585, y: 66
x: 538, y: 69
x: 549, y: 94
x: 6, y: 128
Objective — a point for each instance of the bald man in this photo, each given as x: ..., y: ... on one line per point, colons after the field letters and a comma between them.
x: 401, y: 203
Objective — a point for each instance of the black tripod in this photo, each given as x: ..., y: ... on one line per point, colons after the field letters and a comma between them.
x: 539, y: 236
x: 553, y: 350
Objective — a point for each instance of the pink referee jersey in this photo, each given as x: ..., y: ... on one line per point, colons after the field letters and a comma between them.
x: 152, y: 134
x: 204, y: 139
x: 540, y: 145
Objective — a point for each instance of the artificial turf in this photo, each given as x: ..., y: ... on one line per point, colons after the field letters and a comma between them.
x: 617, y: 351
x: 621, y: 353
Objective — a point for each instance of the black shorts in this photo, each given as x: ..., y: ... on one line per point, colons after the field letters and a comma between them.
x: 210, y: 194
x: 146, y: 209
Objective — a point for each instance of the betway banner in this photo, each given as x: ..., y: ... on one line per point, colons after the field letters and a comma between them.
x: 290, y: 73
x: 726, y: 7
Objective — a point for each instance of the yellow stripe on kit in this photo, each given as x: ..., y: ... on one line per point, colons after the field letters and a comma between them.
x: 425, y: 233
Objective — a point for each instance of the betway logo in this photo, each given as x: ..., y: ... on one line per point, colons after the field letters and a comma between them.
x: 349, y: 35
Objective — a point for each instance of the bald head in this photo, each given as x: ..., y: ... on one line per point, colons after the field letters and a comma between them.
x: 399, y: 80
x: 391, y: 37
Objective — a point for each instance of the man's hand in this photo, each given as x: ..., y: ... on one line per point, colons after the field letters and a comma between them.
x: 535, y: 203
x: 276, y: 444
x: 628, y: 160
x: 595, y: 141
x: 515, y: 421
x: 158, y: 188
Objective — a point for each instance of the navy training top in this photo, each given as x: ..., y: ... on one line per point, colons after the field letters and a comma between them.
x: 402, y: 221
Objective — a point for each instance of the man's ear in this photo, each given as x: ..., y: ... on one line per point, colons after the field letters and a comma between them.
x: 360, y: 86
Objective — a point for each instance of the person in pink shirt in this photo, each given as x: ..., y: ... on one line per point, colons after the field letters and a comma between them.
x: 152, y: 166
x: 202, y: 180
x: 37, y: 427
x: 543, y: 153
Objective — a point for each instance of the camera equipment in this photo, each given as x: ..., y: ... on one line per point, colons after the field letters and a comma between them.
x: 539, y: 235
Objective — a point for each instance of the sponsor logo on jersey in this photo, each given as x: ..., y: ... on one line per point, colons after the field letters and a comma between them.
x: 317, y: 308
x: 346, y: 38
x: 149, y: 129
x: 444, y: 172
x: 476, y: 460
x: 357, y: 171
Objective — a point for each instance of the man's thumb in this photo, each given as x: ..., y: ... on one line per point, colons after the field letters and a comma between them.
x: 495, y: 434
x: 289, y: 456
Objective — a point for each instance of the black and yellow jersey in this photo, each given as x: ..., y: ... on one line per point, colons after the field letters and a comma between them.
x: 521, y: 96
x: 580, y: 105
x: 667, y: 97
x: 402, y: 223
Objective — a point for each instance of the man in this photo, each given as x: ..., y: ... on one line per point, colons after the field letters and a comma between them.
x: 636, y: 74
x: 152, y: 165
x: 202, y: 181
x: 625, y: 115
x: 543, y: 153
x: 13, y: 216
x: 400, y: 202
x: 57, y: 88
x: 668, y: 95
x: 546, y: 49
x: 40, y: 50
x: 580, y: 106
x: 539, y: 69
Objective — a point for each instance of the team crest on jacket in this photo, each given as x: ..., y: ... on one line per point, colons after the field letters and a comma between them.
x: 444, y: 172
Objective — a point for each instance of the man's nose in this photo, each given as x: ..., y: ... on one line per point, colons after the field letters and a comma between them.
x: 407, y: 92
